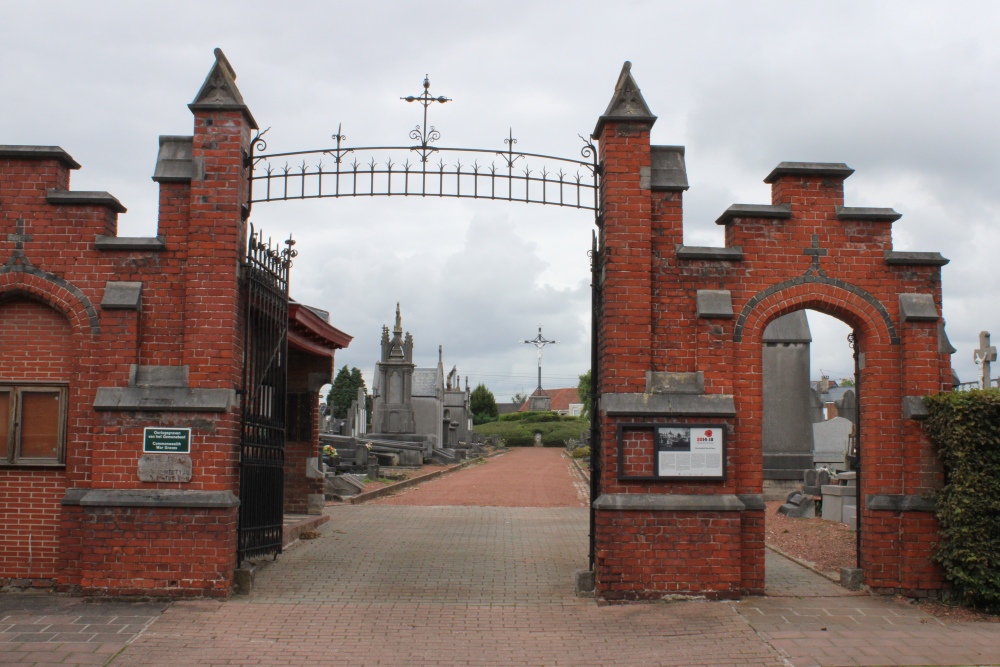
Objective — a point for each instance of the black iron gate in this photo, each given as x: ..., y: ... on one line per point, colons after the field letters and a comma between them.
x: 264, y: 291
x: 409, y: 171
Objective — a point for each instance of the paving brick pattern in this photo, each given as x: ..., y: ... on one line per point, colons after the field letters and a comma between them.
x: 39, y: 629
x: 465, y: 585
x: 813, y: 621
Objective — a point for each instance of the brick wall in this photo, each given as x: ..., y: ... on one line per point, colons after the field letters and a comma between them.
x: 803, y: 250
x: 58, y: 252
x: 151, y: 551
x: 37, y: 346
x: 303, y: 439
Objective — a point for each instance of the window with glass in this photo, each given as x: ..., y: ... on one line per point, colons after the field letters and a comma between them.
x: 32, y: 424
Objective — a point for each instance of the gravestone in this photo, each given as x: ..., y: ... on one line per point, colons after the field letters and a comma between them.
x: 847, y: 406
x: 798, y: 506
x: 813, y: 481
x: 787, y: 428
x: 832, y: 439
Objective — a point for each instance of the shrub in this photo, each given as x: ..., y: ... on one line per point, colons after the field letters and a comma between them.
x: 581, y: 452
x: 521, y: 432
x: 965, y: 430
x: 534, y: 417
x: 483, y: 418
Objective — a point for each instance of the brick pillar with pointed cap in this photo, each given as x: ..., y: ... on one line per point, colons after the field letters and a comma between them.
x: 216, y: 243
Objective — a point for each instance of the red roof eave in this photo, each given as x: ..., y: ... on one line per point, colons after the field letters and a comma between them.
x: 308, y: 332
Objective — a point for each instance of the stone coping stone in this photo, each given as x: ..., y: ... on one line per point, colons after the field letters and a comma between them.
x: 915, y: 407
x: 899, y: 503
x: 149, y: 498
x: 917, y: 308
x: 752, y: 501
x: 667, y: 170
x: 669, y: 502
x: 714, y: 303
x: 776, y: 211
x: 151, y: 243
x: 121, y: 295
x: 835, y: 169
x: 39, y: 153
x: 175, y: 162
x: 669, y: 405
x: 58, y: 197
x: 838, y: 490
x: 163, y: 399
x: 867, y: 214
x: 733, y: 254
x: 905, y: 258
x: 661, y: 382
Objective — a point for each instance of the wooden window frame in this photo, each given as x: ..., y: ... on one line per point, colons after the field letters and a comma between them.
x: 16, y: 391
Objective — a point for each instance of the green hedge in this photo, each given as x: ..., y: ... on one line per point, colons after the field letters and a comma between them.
x: 520, y: 431
x: 534, y: 417
x: 965, y: 430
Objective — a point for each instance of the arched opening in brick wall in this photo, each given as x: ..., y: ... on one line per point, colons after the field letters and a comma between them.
x: 809, y: 418
x: 39, y: 364
x: 876, y: 366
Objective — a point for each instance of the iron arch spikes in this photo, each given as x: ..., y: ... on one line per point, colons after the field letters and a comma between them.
x: 385, y: 171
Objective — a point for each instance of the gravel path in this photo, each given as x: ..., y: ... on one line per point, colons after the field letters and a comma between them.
x: 521, y: 477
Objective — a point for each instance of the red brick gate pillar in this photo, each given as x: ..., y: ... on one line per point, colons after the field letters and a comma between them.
x: 681, y: 329
x: 169, y: 360
x: 655, y: 536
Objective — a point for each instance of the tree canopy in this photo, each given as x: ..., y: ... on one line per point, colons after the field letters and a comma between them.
x: 483, y: 403
x: 583, y: 389
x: 345, y: 391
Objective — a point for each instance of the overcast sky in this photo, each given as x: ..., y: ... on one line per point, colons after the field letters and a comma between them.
x: 904, y: 92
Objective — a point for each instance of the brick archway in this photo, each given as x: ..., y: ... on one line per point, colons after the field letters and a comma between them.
x: 680, y: 343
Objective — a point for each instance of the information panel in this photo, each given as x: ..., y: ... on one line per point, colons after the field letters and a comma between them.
x: 158, y: 440
x: 691, y: 451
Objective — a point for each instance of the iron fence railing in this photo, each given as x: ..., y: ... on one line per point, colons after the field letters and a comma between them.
x: 423, y: 171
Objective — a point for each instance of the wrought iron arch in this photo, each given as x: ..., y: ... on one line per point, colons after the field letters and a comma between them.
x: 502, y: 174
x: 409, y: 171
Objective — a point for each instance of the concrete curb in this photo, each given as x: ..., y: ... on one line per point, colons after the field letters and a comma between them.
x: 579, y: 467
x: 290, y: 533
x: 806, y: 564
x: 406, y: 483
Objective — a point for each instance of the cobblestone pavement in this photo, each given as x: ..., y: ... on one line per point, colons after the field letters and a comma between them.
x: 41, y: 629
x: 813, y: 621
x: 466, y: 585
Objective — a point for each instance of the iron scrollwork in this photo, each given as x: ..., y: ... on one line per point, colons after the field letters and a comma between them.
x: 547, y: 179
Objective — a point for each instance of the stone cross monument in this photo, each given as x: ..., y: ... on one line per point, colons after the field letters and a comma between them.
x: 983, y: 356
x: 538, y: 400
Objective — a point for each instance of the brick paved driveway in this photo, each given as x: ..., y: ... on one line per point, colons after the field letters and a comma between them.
x: 416, y: 584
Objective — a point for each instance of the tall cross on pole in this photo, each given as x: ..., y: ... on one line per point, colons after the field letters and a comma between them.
x: 983, y: 356
x: 539, y: 342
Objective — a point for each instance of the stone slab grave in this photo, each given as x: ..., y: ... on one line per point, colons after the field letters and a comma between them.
x: 798, y: 506
x: 840, y: 499
x: 343, y: 485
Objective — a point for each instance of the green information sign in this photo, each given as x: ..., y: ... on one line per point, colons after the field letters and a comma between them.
x: 158, y: 440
